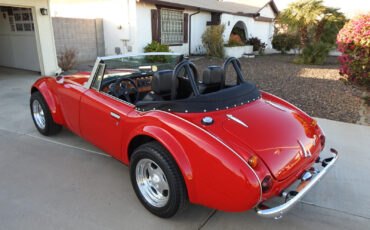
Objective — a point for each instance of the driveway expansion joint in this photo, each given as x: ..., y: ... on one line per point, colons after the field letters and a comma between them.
x: 207, y: 219
x: 333, y: 209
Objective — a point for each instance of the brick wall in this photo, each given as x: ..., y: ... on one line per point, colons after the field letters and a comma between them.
x: 85, y: 36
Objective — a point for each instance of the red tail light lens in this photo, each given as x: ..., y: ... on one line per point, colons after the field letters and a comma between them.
x: 267, y: 184
x: 322, y: 141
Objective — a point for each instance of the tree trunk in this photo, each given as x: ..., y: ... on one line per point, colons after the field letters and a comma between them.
x: 319, y: 30
x: 303, y: 36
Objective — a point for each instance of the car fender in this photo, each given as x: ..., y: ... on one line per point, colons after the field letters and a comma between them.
x: 47, y: 87
x: 214, y: 175
x: 169, y: 142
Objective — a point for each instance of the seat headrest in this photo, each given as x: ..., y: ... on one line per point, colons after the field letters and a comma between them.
x: 212, y: 75
x: 162, y: 82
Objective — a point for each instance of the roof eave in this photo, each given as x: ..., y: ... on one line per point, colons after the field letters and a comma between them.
x: 181, y: 6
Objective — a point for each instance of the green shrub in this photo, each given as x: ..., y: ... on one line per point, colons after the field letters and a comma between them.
x: 257, y: 44
x: 314, y: 53
x: 285, y: 42
x: 213, y: 42
x: 156, y: 47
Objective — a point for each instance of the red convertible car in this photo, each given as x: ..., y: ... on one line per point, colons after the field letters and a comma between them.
x: 228, y: 146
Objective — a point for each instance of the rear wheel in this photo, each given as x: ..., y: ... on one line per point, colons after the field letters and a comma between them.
x: 41, y: 115
x: 157, y: 180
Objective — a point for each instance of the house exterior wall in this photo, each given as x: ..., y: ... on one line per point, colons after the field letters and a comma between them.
x: 118, y: 16
x: 262, y: 30
x: 127, y: 23
x: 198, y: 26
x: 144, y: 30
x: 43, y: 34
x: 267, y: 12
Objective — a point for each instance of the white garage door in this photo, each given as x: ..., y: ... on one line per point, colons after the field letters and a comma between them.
x: 17, y: 39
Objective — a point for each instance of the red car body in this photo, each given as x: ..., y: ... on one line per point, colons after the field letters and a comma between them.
x: 213, y: 159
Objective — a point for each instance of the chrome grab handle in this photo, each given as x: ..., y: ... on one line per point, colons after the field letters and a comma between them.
x: 115, y: 115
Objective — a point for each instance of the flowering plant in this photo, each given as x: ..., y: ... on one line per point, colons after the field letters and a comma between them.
x: 353, y: 41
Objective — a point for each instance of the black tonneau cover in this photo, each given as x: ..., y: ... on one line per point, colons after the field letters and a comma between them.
x: 222, y: 99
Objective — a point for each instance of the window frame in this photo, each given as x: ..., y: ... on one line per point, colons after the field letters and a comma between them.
x: 181, y: 11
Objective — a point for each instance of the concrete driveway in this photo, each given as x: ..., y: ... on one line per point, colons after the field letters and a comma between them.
x: 63, y: 182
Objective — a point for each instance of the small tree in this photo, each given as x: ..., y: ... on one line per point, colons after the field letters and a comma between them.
x: 300, y: 15
x: 213, y: 41
x: 329, y: 25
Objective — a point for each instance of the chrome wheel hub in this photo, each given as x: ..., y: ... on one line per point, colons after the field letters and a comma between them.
x: 38, y: 114
x: 152, y: 183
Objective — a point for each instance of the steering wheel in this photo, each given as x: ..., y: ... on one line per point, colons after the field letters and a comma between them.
x: 192, y: 74
x: 124, y: 90
x: 236, y: 64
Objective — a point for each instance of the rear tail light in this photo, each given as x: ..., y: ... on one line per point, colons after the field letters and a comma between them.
x: 322, y: 141
x: 267, y: 184
x: 313, y: 122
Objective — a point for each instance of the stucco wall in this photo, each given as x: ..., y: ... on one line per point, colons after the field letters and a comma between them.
x: 230, y: 20
x: 43, y: 34
x: 144, y: 29
x: 267, y: 12
x: 116, y: 15
x: 262, y: 30
x: 127, y: 23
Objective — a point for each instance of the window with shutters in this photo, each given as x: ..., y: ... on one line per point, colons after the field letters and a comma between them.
x: 172, y: 26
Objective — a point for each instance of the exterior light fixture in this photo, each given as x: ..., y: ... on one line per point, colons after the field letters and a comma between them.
x: 44, y: 11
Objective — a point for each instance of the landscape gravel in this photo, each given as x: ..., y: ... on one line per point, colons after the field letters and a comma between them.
x: 316, y: 89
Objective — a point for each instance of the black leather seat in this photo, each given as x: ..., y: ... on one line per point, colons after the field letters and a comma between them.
x: 161, y: 86
x: 212, y: 79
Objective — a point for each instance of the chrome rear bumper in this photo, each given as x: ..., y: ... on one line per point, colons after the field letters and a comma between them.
x: 278, y: 211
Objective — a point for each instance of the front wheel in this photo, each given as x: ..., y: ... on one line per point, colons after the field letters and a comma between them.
x: 157, y: 180
x: 41, y: 115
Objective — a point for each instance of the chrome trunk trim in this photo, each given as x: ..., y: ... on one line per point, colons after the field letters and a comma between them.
x: 236, y: 120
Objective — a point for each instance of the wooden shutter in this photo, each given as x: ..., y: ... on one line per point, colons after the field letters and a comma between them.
x: 186, y: 27
x: 155, y: 25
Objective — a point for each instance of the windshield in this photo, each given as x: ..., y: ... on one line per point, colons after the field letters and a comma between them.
x: 144, y: 63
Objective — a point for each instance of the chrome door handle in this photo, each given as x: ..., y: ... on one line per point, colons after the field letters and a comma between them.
x: 115, y: 115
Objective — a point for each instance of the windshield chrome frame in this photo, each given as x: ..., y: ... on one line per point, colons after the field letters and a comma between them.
x: 99, y: 59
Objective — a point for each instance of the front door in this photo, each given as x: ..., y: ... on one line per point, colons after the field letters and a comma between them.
x: 102, y: 121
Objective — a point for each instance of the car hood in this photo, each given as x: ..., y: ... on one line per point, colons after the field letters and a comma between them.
x: 275, y: 133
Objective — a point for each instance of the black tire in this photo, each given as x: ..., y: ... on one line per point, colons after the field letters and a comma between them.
x: 50, y: 127
x: 178, y: 197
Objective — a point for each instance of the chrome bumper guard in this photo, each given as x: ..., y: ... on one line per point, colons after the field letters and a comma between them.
x: 278, y: 211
